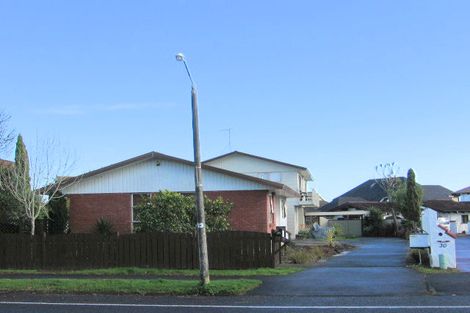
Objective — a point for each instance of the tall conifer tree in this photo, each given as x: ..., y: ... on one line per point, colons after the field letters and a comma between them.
x: 413, y: 201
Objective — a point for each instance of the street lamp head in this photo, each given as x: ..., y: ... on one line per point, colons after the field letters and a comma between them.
x: 180, y: 57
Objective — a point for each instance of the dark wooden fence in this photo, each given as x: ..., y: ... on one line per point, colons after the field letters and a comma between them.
x: 227, y: 250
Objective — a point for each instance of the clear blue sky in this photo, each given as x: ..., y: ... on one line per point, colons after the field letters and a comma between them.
x: 336, y: 86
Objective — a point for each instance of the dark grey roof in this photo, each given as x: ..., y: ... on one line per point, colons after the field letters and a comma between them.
x: 371, y: 190
x: 367, y: 191
x: 462, y: 191
x: 435, y: 192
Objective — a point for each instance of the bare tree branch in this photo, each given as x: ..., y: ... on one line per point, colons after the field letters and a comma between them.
x: 6, y: 135
x: 390, y: 182
x: 35, y: 186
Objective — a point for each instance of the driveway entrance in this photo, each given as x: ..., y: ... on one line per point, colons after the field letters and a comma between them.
x: 462, y: 246
x: 376, y: 267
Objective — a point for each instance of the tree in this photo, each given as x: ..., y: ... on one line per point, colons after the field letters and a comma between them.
x: 169, y: 211
x: 34, y: 183
x: 390, y: 183
x: 374, y: 222
x: 58, y: 212
x: 6, y: 135
x: 411, y: 208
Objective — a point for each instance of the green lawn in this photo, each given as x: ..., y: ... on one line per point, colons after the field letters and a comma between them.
x: 432, y: 270
x: 164, y: 272
x: 130, y: 286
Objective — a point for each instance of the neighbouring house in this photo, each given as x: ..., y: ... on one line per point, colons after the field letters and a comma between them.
x: 462, y: 195
x: 451, y: 214
x: 356, y: 203
x: 294, y: 176
x: 454, y: 213
x: 370, y: 192
x: 111, y: 192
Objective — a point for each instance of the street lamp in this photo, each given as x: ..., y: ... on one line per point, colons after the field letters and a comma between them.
x: 201, y: 220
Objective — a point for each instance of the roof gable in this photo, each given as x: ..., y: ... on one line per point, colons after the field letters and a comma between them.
x: 135, y: 173
x: 237, y: 154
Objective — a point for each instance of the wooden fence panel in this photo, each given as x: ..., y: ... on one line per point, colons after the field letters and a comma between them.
x: 227, y: 250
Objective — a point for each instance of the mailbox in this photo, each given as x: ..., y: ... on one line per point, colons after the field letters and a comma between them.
x: 441, y: 241
x: 419, y: 241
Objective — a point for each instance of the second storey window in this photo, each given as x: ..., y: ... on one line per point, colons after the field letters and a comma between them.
x: 465, y: 219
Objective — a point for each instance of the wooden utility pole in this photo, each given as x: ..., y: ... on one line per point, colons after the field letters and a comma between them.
x: 201, y: 219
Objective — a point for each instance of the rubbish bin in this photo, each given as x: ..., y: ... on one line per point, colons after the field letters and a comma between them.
x: 442, y: 261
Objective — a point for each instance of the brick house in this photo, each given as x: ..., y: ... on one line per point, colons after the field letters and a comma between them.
x: 111, y: 192
x: 294, y: 176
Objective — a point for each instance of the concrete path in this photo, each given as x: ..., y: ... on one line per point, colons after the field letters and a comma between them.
x: 463, y: 253
x: 375, y: 268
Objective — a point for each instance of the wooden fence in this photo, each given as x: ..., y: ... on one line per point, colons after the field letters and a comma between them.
x: 227, y: 250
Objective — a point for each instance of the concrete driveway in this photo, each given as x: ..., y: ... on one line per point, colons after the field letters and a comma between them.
x: 463, y: 253
x: 376, y: 267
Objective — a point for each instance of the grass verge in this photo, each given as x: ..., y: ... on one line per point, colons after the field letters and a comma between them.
x: 126, y: 286
x: 432, y: 270
x: 163, y: 272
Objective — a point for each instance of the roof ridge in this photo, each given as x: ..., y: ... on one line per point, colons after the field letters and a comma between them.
x: 155, y: 154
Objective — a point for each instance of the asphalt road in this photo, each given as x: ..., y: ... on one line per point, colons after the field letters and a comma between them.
x: 372, y: 278
x: 119, y: 304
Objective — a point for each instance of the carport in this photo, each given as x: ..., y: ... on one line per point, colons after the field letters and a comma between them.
x: 351, y: 222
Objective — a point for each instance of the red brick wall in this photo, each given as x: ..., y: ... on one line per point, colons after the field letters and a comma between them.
x: 251, y: 209
x: 86, y: 209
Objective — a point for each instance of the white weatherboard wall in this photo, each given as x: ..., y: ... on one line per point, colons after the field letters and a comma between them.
x: 273, y: 171
x: 457, y: 217
x: 464, y: 198
x: 146, y: 176
x: 264, y: 169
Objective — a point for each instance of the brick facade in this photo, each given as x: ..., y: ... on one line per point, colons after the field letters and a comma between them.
x: 87, y: 209
x: 251, y: 211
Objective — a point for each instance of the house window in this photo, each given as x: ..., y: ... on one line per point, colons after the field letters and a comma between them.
x: 283, y: 208
x: 464, y: 219
x: 136, y: 201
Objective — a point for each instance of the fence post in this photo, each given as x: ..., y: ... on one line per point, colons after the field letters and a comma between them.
x: 276, y: 248
x: 43, y: 250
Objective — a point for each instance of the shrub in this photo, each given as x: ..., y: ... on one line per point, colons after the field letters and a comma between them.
x: 330, y: 237
x: 166, y: 211
x: 374, y: 223
x: 169, y: 211
x: 217, y: 212
x: 104, y: 227
x: 304, y: 234
x: 304, y: 255
x: 58, y: 220
x: 413, y: 257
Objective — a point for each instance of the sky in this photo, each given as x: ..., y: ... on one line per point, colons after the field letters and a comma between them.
x: 335, y: 86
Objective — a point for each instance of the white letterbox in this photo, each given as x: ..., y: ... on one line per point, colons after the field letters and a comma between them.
x: 442, y: 241
x: 419, y: 241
